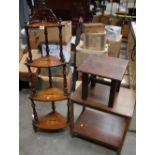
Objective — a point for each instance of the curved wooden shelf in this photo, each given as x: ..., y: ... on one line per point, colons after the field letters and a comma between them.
x: 52, y: 121
x: 50, y: 94
x: 47, y: 61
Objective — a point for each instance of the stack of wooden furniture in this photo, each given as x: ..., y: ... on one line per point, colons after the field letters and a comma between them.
x: 44, y: 18
x: 107, y: 109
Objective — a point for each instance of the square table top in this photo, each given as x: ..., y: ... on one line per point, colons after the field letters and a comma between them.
x: 104, y: 66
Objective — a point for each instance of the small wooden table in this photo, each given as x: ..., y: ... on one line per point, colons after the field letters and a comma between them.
x: 97, y: 122
x: 104, y: 67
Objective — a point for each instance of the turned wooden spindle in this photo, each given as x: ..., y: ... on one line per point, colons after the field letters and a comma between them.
x: 46, y: 40
x: 65, y: 80
x: 53, y: 106
x: 35, y: 116
x: 32, y: 80
x: 47, y: 52
x: 60, y: 39
x: 28, y: 45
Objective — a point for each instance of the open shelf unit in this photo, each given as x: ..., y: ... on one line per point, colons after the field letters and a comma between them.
x: 101, y: 128
x: 100, y: 123
x: 44, y: 18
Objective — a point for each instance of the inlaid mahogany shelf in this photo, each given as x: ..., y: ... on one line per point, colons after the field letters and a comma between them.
x: 99, y: 123
x: 46, y: 61
x: 50, y: 94
x: 42, y: 19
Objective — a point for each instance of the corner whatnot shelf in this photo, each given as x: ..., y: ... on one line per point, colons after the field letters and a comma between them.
x: 44, y: 18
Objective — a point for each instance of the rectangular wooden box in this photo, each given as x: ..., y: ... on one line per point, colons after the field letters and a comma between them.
x: 93, y: 27
x: 37, y: 35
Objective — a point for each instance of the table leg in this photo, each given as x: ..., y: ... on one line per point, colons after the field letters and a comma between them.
x: 93, y: 83
x: 112, y: 93
x: 71, y: 117
x: 118, y: 86
x: 85, y: 82
x: 68, y: 110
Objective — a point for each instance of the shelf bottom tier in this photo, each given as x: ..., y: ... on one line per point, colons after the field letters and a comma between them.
x: 52, y: 121
x: 102, y: 128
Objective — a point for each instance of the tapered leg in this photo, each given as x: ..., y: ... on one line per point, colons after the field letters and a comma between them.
x: 71, y: 118
x: 93, y: 83
x: 118, y: 86
x: 68, y: 110
x: 112, y: 93
x: 85, y: 82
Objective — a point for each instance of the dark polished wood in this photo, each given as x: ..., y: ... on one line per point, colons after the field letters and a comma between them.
x: 102, y: 128
x: 112, y: 93
x: 42, y: 18
x: 43, y: 14
x: 34, y: 114
x: 98, y: 98
x: 98, y: 122
x: 85, y: 82
x: 46, y: 40
x: 28, y: 44
x: 32, y: 79
x: 65, y: 80
x: 104, y: 67
x: 60, y: 41
x: 70, y: 10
